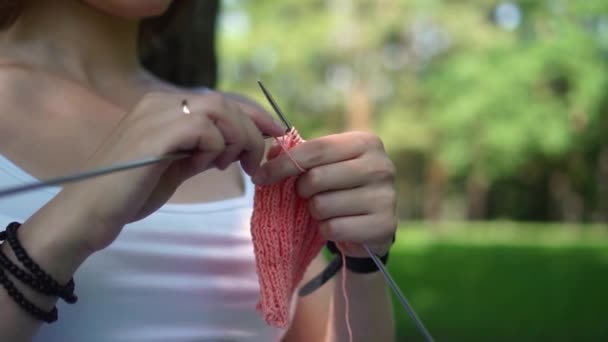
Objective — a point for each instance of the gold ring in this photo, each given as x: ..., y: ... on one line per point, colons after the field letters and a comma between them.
x: 185, y: 108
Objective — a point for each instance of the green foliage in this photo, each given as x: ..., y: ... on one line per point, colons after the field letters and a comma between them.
x: 444, y: 80
x: 506, y: 105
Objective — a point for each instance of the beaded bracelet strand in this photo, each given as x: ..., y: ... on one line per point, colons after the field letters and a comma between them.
x: 64, y: 291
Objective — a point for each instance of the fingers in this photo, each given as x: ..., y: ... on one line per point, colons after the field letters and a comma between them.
x: 340, y: 203
x: 189, y: 133
x: 358, y: 201
x: 266, y: 124
x: 338, y: 176
x: 261, y: 118
x: 240, y: 135
x: 359, y: 228
x: 229, y: 120
x: 197, y: 163
x: 195, y: 133
x: 254, y: 149
x: 310, y: 154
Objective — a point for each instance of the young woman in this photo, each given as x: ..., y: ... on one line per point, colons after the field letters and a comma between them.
x: 163, y: 253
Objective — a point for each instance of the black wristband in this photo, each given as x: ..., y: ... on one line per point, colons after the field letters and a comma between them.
x: 355, y: 265
x: 358, y: 265
x: 66, y: 292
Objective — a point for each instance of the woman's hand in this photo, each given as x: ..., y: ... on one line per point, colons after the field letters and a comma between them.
x: 350, y: 184
x: 218, y: 131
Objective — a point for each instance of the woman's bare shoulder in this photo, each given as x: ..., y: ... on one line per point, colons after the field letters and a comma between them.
x: 16, y: 88
x: 13, y: 76
x: 27, y: 99
x: 22, y: 91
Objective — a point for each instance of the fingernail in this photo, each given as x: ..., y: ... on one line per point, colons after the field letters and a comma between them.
x: 222, y: 165
x: 279, y: 124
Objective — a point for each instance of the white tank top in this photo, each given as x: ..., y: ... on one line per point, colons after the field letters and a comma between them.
x: 185, y: 273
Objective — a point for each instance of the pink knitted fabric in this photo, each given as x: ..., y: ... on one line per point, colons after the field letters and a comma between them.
x: 285, y: 240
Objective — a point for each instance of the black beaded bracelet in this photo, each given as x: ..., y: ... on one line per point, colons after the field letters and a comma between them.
x: 32, y: 282
x: 29, y: 307
x: 65, y: 292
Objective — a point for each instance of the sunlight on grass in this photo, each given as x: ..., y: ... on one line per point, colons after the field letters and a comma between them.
x: 419, y: 235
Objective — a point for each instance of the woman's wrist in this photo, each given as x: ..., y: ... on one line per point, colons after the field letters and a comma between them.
x: 40, y: 256
x: 57, y: 236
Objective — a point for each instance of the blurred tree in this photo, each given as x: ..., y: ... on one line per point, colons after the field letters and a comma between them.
x: 520, y: 98
x: 498, y: 104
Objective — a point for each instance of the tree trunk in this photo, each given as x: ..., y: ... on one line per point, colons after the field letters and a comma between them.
x: 435, y: 190
x: 477, y: 196
x: 568, y: 203
x: 359, y: 114
x: 601, y: 209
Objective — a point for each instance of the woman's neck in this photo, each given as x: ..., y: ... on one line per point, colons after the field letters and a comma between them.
x: 74, y: 39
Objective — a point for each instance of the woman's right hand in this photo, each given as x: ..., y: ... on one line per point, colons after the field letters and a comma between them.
x: 218, y: 131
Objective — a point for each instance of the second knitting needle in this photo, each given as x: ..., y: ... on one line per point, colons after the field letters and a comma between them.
x: 90, y: 174
x: 393, y: 285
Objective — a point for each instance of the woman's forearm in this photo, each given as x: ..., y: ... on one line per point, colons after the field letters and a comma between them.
x: 49, y: 240
x: 370, y: 311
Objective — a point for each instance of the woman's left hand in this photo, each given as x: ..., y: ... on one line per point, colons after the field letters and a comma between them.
x: 350, y: 184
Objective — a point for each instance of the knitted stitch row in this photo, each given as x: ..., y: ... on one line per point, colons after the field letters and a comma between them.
x: 285, y: 240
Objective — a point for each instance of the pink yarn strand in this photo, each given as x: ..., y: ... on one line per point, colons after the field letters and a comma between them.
x: 346, y: 301
x: 293, y: 160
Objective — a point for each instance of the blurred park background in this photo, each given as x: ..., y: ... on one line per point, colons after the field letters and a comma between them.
x: 493, y: 111
x: 496, y: 115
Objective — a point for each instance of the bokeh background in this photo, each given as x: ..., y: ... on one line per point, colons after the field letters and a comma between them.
x: 496, y: 115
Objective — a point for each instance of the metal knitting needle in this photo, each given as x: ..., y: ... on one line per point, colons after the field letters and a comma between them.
x: 92, y: 173
x: 275, y: 106
x: 387, y: 277
x: 391, y: 282
x: 97, y: 172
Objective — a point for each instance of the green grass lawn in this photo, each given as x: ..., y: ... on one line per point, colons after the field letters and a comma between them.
x: 503, y: 281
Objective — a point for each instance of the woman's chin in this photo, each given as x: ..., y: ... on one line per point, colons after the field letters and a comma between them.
x: 131, y: 8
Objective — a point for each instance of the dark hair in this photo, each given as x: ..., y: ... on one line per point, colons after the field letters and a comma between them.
x: 10, y: 11
x: 178, y: 46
